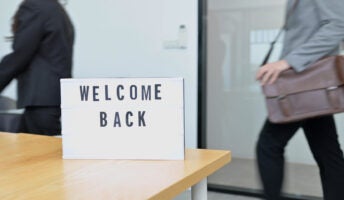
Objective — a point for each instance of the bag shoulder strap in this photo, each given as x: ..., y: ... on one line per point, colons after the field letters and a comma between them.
x: 272, y: 44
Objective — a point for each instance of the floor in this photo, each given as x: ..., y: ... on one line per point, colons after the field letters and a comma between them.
x: 300, y: 179
x: 215, y: 196
x: 222, y: 196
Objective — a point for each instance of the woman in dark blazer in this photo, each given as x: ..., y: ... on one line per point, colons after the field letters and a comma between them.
x: 43, y: 38
x: 314, y: 29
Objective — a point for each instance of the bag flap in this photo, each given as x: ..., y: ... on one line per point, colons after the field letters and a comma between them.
x: 328, y: 72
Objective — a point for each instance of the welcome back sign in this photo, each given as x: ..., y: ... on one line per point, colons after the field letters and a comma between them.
x: 123, y: 118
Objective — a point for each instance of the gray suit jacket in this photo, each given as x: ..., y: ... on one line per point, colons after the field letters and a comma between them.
x: 314, y: 30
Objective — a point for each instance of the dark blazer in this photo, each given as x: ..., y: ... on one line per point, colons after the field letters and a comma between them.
x: 42, y: 53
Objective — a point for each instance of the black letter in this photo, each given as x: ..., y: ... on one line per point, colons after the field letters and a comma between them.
x: 95, y: 93
x: 133, y: 94
x: 107, y: 93
x: 84, y: 93
x: 120, y: 97
x: 103, y: 121
x: 141, y: 118
x: 157, y: 91
x: 129, y: 124
x: 117, y: 120
x: 146, y: 95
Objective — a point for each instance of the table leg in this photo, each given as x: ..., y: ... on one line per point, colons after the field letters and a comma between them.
x: 199, y: 191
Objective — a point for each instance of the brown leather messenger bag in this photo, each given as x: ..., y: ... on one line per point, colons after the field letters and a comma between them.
x: 316, y: 91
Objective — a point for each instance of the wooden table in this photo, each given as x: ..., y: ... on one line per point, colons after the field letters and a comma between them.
x: 31, y: 167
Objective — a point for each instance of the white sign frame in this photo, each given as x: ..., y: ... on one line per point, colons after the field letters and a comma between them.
x: 123, y: 118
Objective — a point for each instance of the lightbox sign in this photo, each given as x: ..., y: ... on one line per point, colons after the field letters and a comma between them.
x: 123, y: 118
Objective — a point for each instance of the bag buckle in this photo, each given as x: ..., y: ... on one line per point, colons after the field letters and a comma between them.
x: 331, y: 88
x: 280, y: 97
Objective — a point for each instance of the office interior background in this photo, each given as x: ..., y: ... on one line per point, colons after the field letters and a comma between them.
x: 217, y: 46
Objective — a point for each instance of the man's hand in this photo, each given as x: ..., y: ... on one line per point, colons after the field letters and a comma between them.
x: 268, y: 73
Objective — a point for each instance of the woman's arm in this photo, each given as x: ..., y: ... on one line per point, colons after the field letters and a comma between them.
x: 25, y: 44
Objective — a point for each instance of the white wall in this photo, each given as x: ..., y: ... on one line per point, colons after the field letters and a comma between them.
x: 124, y: 38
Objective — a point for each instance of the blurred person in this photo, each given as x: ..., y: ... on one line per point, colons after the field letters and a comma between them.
x: 314, y: 29
x: 43, y: 38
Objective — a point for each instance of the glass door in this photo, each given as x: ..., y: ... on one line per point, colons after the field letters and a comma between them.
x: 238, y: 37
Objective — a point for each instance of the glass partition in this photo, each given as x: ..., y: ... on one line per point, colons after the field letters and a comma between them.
x: 238, y: 37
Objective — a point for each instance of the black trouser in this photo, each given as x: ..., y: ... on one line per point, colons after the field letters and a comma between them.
x: 322, y: 138
x: 43, y: 120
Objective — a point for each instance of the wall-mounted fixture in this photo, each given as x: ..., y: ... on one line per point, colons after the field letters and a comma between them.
x: 180, y: 42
